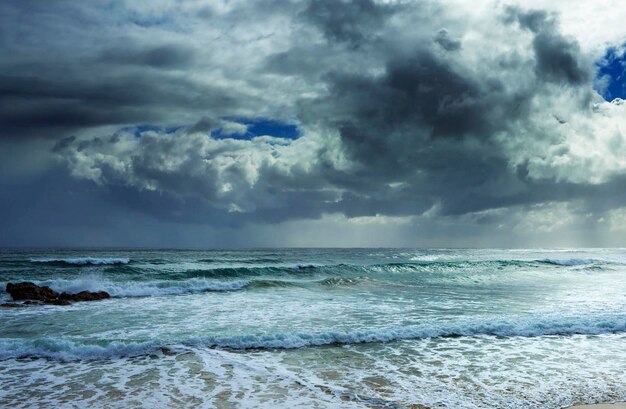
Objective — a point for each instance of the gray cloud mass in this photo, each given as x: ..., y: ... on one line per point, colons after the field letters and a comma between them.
x: 421, y: 123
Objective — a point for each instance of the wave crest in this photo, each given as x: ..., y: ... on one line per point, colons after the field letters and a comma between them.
x: 569, y: 261
x: 95, y: 282
x: 81, y: 261
x: 63, y: 349
x: 522, y: 328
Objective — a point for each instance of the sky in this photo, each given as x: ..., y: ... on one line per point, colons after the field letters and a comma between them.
x: 317, y: 123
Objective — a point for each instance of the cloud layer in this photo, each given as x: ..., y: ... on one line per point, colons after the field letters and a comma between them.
x: 425, y: 123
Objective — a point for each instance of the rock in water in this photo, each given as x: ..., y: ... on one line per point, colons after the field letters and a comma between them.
x: 12, y: 305
x: 84, y: 296
x: 31, y: 291
x: 59, y: 301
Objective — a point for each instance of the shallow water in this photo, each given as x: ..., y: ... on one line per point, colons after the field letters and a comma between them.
x: 318, y: 328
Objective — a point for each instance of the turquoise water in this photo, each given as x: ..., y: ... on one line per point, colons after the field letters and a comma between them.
x: 317, y: 328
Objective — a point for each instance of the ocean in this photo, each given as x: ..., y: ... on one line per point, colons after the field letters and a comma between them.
x: 317, y: 328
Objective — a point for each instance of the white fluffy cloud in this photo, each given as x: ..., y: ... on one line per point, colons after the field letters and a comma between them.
x: 231, y: 174
x: 581, y: 146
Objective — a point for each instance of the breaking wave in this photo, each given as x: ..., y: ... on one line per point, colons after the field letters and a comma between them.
x: 63, y: 349
x: 342, y: 281
x: 569, y: 261
x: 248, y: 267
x: 142, y: 289
x: 81, y: 261
x: 95, y: 282
x: 271, y: 271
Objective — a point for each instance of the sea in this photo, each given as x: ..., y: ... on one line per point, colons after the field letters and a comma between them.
x: 317, y: 328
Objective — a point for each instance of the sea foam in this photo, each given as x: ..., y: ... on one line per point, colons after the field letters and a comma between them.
x: 81, y: 261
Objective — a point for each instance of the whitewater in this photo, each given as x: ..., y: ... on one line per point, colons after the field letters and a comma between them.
x: 324, y: 328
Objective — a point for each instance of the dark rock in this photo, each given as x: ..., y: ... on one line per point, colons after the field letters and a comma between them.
x: 31, y: 291
x: 84, y: 296
x: 12, y: 305
x: 59, y: 301
x: 42, y: 294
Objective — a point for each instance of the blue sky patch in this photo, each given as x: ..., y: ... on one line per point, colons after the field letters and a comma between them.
x: 611, y: 76
x: 255, y: 127
x: 259, y: 127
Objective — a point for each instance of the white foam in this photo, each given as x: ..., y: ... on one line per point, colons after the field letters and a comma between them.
x: 82, y: 261
x: 454, y: 373
x: 193, y: 378
x: 427, y: 257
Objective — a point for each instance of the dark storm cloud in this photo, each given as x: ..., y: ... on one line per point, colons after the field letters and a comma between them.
x: 65, y: 68
x: 205, y: 125
x: 557, y: 58
x: 420, y: 95
x: 31, y: 103
x: 166, y: 56
x: 425, y: 124
x: 430, y: 123
x: 443, y: 39
x: 403, y: 110
x: 352, y: 22
x: 63, y: 144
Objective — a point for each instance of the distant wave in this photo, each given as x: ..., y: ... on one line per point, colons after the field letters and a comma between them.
x: 81, y: 261
x: 251, y: 271
x: 253, y: 260
x: 260, y: 283
x: 461, y: 264
x: 530, y: 327
x: 342, y: 281
x: 184, y: 287
x: 95, y: 282
x: 300, y: 270
x: 142, y: 289
x: 247, y: 267
x: 569, y: 261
